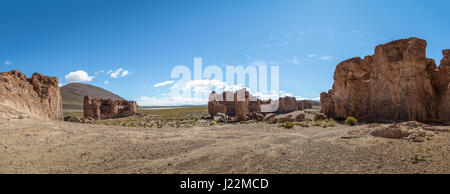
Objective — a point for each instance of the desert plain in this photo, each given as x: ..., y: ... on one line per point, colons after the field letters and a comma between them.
x: 31, y: 145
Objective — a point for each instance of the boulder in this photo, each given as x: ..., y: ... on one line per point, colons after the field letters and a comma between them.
x: 284, y: 118
x: 270, y: 118
x: 38, y: 96
x: 72, y: 119
x: 220, y: 117
x: 320, y: 116
x: 300, y: 117
x: 397, y: 83
x: 403, y: 131
x: 256, y: 116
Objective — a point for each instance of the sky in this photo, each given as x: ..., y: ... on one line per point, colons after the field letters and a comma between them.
x: 131, y: 47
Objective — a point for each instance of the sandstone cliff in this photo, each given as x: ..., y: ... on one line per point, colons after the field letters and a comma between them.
x: 38, y: 96
x: 397, y: 83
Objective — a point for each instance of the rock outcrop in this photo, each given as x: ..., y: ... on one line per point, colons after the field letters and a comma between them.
x: 107, y: 109
x: 38, y: 96
x: 240, y: 105
x: 237, y: 105
x: 287, y: 104
x: 303, y: 104
x: 397, y: 83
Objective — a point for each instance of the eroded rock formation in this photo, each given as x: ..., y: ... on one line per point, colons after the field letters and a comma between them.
x: 233, y: 104
x: 287, y: 104
x: 303, y: 104
x: 250, y: 107
x: 397, y: 83
x: 107, y: 109
x: 38, y: 96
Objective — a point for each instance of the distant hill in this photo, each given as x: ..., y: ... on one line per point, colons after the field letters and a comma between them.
x: 314, y: 103
x: 73, y: 95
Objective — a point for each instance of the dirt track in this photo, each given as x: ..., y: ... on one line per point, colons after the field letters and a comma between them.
x: 35, y: 146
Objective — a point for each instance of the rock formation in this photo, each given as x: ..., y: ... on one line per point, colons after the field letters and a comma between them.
x: 38, y: 96
x: 397, y: 83
x: 240, y: 105
x: 286, y: 104
x: 233, y: 104
x: 107, y: 109
x: 303, y: 104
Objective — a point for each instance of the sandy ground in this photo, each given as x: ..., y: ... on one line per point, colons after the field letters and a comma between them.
x: 37, y: 146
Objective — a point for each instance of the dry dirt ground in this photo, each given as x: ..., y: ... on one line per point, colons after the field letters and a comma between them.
x: 37, y: 146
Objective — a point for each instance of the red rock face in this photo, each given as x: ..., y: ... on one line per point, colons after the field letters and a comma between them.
x: 397, y: 83
x: 286, y: 105
x: 248, y: 104
x: 234, y: 104
x: 303, y: 104
x: 38, y: 96
x: 108, y: 109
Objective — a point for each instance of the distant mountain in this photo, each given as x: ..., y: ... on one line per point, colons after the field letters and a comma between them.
x: 314, y: 103
x: 73, y: 95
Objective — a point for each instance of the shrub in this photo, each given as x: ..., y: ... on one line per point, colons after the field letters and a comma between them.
x: 288, y: 125
x: 331, y: 124
x: 351, y: 121
x: 304, y: 124
x: 317, y: 123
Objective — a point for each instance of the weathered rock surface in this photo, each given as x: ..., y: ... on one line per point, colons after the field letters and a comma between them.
x: 239, y: 104
x: 303, y: 104
x: 286, y: 104
x: 222, y: 117
x: 320, y: 116
x: 284, y: 118
x: 38, y: 96
x: 300, y: 117
x: 408, y: 131
x: 397, y: 83
x: 270, y: 118
x: 107, y: 109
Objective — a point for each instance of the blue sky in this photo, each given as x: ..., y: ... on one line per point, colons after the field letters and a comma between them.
x: 146, y: 39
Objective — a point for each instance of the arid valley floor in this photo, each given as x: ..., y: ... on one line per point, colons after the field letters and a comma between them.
x: 41, y: 146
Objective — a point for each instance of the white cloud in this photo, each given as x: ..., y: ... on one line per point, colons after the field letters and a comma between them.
x: 300, y: 98
x: 325, y: 58
x: 316, y: 99
x: 311, y: 55
x: 78, y: 76
x: 265, y: 45
x: 125, y: 73
x: 106, y: 82
x: 118, y: 73
x: 298, y: 40
x: 8, y: 62
x: 355, y: 31
x: 61, y: 84
x: 163, y: 83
